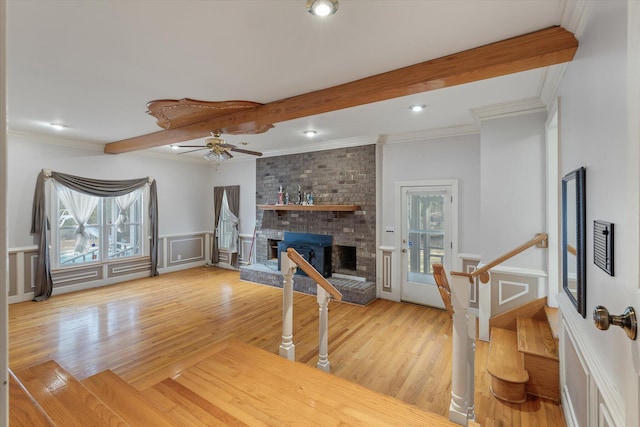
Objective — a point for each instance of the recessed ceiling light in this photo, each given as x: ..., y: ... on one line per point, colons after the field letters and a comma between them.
x: 417, y: 107
x: 57, y: 126
x: 174, y: 146
x: 322, y: 7
x: 310, y: 133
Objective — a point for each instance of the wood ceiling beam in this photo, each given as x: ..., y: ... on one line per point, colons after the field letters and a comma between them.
x: 542, y: 48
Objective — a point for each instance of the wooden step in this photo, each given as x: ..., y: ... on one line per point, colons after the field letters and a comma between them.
x: 256, y: 387
x: 125, y: 400
x: 186, y: 408
x: 507, y: 320
x: 554, y: 321
x: 506, y: 366
x: 536, y: 342
x: 23, y: 409
x: 65, y: 400
x: 535, y: 338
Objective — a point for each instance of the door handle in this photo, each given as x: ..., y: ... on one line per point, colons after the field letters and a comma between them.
x: 626, y: 320
x: 404, y: 251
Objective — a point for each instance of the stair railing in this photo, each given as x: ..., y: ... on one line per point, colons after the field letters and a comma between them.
x: 461, y: 409
x: 325, y: 291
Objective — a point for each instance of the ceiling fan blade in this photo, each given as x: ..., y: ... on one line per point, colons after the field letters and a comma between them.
x: 188, y: 146
x: 227, y: 155
x: 225, y: 145
x: 191, y: 151
x: 241, y: 150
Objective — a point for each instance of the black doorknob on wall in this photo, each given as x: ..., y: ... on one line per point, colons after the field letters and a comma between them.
x: 627, y: 320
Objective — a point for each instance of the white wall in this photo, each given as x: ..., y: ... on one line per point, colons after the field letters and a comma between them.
x: 242, y: 173
x: 593, y: 134
x: 456, y: 157
x: 513, y: 187
x: 185, y: 198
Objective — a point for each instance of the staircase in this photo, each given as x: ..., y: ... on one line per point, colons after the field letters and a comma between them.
x: 523, y: 353
x: 237, y: 384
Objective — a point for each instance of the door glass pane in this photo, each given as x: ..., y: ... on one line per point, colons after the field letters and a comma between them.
x: 426, y: 234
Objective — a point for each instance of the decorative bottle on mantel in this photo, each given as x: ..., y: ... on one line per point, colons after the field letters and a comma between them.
x: 299, y: 195
x: 286, y: 199
x: 280, y: 202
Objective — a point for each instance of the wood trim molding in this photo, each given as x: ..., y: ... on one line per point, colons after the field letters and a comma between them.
x: 538, y: 49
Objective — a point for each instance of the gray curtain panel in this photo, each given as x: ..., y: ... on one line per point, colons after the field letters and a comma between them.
x: 218, y: 192
x: 233, y: 198
x: 93, y: 187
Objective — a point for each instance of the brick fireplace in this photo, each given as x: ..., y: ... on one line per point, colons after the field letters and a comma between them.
x: 339, y: 177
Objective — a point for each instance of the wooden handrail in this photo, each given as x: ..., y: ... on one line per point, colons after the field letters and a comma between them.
x: 313, y: 273
x: 483, y: 272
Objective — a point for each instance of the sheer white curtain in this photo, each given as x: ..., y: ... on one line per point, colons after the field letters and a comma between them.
x: 124, y: 203
x: 80, y: 207
x: 233, y: 220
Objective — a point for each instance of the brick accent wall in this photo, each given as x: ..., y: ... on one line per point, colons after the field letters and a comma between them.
x: 342, y: 176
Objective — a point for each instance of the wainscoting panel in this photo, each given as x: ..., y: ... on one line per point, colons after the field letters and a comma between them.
x: 184, y: 250
x: 511, y: 290
x: 246, y: 256
x: 387, y: 272
x: 589, y: 397
x: 469, y: 265
x: 13, y: 273
x: 128, y: 267
x: 29, y: 269
x: 180, y: 251
x: 74, y: 276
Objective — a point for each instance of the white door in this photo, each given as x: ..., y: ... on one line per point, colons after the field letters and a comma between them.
x: 632, y: 297
x: 426, y: 240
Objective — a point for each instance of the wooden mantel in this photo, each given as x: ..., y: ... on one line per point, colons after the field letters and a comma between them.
x: 323, y: 208
x: 336, y: 209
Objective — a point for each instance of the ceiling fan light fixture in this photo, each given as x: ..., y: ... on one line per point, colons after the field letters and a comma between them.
x: 322, y: 7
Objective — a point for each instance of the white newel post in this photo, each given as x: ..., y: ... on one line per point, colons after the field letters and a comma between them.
x: 461, y: 407
x: 471, y: 365
x: 323, y: 356
x: 287, y: 348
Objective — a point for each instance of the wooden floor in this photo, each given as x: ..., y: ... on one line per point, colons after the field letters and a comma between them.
x: 145, y: 330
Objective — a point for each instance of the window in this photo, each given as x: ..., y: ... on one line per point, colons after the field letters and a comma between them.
x: 94, y: 229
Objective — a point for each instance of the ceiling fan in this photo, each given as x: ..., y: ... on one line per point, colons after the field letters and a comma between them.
x: 218, y: 148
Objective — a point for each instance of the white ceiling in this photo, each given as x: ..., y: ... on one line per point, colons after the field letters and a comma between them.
x: 93, y: 65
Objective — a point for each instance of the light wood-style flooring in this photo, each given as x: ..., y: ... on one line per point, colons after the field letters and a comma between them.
x: 144, y: 330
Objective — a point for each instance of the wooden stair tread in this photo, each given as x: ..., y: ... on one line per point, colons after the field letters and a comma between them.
x: 23, y: 409
x: 237, y: 380
x: 505, y: 361
x: 65, y: 400
x: 125, y: 400
x: 186, y: 407
x: 554, y: 321
x: 535, y: 338
x: 507, y: 320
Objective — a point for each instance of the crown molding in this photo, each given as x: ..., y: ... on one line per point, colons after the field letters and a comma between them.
x: 95, y: 146
x: 508, y: 109
x: 575, y: 16
x: 54, y: 140
x: 437, y: 133
x: 551, y: 83
x: 323, y: 145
